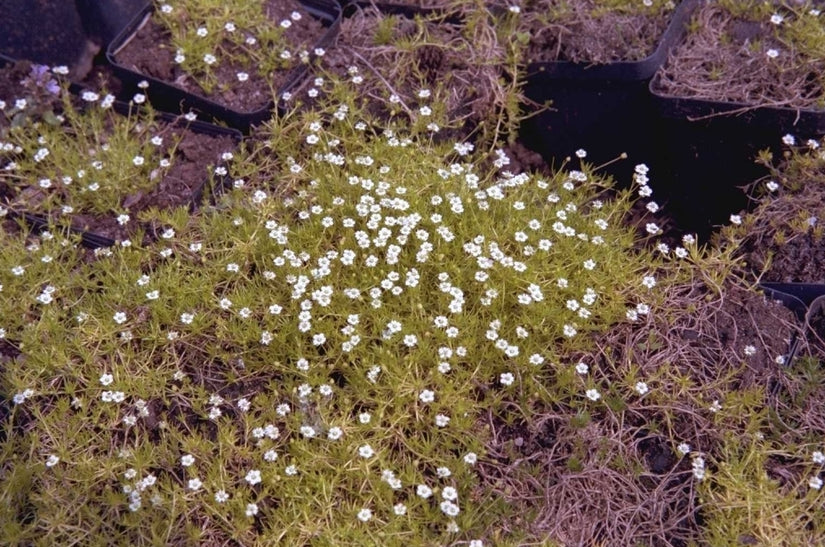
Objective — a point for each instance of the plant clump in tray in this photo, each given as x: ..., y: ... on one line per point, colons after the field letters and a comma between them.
x: 239, y: 57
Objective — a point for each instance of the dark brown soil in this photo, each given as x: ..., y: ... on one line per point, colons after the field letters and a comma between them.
x: 585, y: 32
x: 150, y: 52
x: 724, y: 58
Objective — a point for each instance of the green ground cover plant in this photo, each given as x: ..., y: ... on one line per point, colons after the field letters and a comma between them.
x: 371, y: 334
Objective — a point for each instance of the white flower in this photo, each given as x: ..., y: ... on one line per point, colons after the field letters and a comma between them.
x: 426, y: 396
x: 424, y: 491
x: 593, y: 394
x: 715, y: 406
x: 815, y: 483
x: 441, y: 420
x: 334, y: 433
x: 683, y: 449
x: 772, y: 186
x: 221, y: 496
x: 789, y: 139
x: 52, y: 460
x: 449, y: 493
x: 209, y: 59
x: 194, y: 484
x: 119, y: 317
x: 649, y: 281
x: 470, y: 458
x: 106, y: 379
x: 449, y: 508
x: 818, y: 457
x: 641, y: 388
x: 291, y: 470
x: 399, y: 509
x: 736, y: 219
x: 187, y: 460
x: 364, y: 515
x: 242, y: 76
x: 366, y: 451
x: 251, y: 509
x: 507, y: 378
x: 777, y: 19
x: 772, y: 53
x: 187, y: 318
x: 582, y: 368
x: 253, y: 477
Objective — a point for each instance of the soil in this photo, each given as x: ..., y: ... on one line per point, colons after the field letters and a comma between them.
x: 577, y: 35
x: 724, y: 59
x: 150, y: 52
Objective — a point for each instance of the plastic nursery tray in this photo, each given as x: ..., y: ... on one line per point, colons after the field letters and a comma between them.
x: 105, y: 19
x: 168, y: 97
x: 709, y: 150
x: 602, y: 108
x: 92, y: 240
x: 805, y: 300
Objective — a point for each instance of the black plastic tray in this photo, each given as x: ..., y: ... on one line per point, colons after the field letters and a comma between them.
x: 168, y: 97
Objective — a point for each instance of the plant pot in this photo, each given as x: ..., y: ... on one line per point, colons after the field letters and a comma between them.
x: 807, y: 302
x: 103, y: 20
x: 709, y: 146
x: 80, y: 223
x: 709, y: 151
x: 168, y: 97
x: 604, y: 109
x: 48, y: 32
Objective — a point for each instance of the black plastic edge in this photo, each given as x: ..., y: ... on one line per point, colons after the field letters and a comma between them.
x: 170, y: 98
x: 621, y: 70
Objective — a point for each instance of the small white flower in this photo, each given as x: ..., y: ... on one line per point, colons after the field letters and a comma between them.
x: 253, y: 477
x: 221, y: 496
x: 815, y: 483
x: 242, y: 76
x: 593, y: 394
x: 641, y: 388
x: 716, y: 406
x: 777, y: 19
x: 683, y: 449
x: 582, y: 368
x: 334, y: 433
x: 194, y: 484
x: 399, y: 509
x: 187, y: 460
x: 772, y: 53
x: 789, y: 139
x: 470, y: 458
x: 210, y: 59
x: 818, y: 457
x: 507, y: 378
x: 106, y: 379
x: 441, y: 420
x: 366, y: 451
x: 423, y: 491
x: 187, y: 318
x: 736, y: 219
x: 364, y: 515
x: 772, y: 186
x: 426, y: 396
x: 749, y: 350
x: 119, y: 317
x: 52, y: 460
x: 251, y: 509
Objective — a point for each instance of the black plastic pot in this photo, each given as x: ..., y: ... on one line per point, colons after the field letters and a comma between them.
x: 92, y: 240
x: 103, y: 20
x: 709, y: 150
x: 805, y: 300
x: 48, y: 32
x: 168, y: 97
x: 604, y: 109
